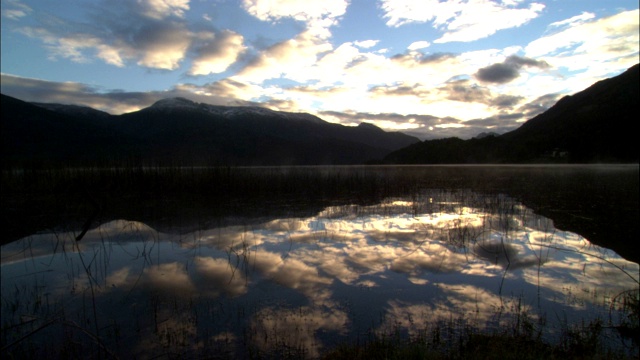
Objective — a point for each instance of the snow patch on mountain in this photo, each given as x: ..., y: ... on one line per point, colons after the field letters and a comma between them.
x: 174, y: 103
x: 230, y: 112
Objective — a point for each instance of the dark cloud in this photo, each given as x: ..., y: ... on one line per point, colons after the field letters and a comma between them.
x: 505, y: 122
x: 524, y: 61
x: 539, y: 105
x: 465, y: 91
x: 423, y: 126
x: 357, y: 117
x: 422, y: 58
x: 502, y: 121
x: 399, y: 90
x: 282, y: 105
x: 498, y: 124
x: 506, y: 101
x: 117, y: 101
x: 114, y: 102
x: 216, y: 51
x: 466, y: 132
x: 498, y: 73
x: 315, y: 90
x: 508, y: 70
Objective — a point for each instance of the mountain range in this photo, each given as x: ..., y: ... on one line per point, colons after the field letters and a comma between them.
x: 177, y: 131
x: 594, y: 125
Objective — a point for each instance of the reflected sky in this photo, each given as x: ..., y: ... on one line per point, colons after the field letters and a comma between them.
x: 307, y: 283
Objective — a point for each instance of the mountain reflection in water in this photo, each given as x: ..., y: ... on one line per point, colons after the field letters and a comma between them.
x: 306, y: 283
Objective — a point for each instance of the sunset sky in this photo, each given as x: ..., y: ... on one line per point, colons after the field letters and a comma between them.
x: 428, y: 68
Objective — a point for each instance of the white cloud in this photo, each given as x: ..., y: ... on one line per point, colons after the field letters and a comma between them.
x: 268, y: 10
x: 110, y: 55
x: 574, y: 20
x: 290, y: 59
x: 319, y: 15
x: 366, y: 44
x: 69, y: 46
x: 160, y: 9
x: 460, y: 20
x: 14, y: 9
x: 419, y: 45
x: 608, y: 43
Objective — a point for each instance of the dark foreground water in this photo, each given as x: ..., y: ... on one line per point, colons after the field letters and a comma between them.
x: 436, y: 257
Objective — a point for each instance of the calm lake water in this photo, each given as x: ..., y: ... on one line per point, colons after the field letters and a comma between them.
x: 444, y: 258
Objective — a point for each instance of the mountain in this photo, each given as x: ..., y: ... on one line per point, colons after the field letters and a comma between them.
x: 34, y: 134
x: 594, y: 125
x: 177, y: 131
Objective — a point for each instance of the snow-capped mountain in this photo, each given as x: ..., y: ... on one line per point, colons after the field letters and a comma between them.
x: 179, y: 131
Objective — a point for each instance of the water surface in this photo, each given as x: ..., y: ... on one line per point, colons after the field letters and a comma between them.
x: 436, y: 258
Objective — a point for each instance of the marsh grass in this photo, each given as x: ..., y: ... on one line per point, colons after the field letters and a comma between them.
x: 452, y: 341
x: 68, y: 198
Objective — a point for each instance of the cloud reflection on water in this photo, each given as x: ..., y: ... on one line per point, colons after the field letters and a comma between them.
x: 424, y: 259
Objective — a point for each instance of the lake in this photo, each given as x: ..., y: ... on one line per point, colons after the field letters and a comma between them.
x: 292, y: 262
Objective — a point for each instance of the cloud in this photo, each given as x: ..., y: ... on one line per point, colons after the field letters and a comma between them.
x: 318, y: 15
x: 431, y: 127
x: 604, y: 45
x: 160, y: 9
x: 460, y: 20
x: 366, y: 44
x: 219, y: 276
x: 161, y: 45
x: 410, y: 123
x: 511, y: 114
x: 576, y: 20
x: 224, y: 92
x: 419, y: 45
x: 296, y: 58
x: 151, y: 33
x: 14, y: 9
x: 290, y: 58
x: 539, y: 105
x: 506, y: 101
x: 413, y: 58
x: 400, y: 90
x: 500, y: 124
x: 465, y: 91
x: 171, y: 278
x: 216, y: 52
x: 508, y: 70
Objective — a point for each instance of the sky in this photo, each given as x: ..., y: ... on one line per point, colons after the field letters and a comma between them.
x: 428, y: 68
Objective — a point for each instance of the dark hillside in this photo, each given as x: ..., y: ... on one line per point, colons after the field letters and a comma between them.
x: 38, y: 136
x: 596, y: 125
